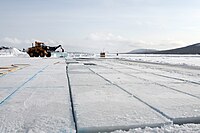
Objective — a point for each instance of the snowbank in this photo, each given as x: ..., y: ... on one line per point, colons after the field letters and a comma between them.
x: 169, y: 59
x: 12, y: 52
x: 181, y: 60
x: 186, y: 128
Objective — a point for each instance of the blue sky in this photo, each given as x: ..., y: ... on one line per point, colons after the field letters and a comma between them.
x: 96, y: 25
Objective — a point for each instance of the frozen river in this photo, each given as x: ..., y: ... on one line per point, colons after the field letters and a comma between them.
x: 97, y: 95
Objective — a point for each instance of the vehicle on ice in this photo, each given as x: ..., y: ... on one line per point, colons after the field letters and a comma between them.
x: 40, y: 49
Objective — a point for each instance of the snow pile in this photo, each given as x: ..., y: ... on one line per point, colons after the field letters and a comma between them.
x: 186, y: 128
x: 12, y: 52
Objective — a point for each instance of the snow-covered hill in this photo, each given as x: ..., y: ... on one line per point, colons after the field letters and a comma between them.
x: 191, y: 49
x: 142, y: 51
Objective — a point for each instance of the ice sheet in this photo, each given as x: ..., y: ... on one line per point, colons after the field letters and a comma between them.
x: 42, y: 102
x: 175, y: 105
x: 104, y: 107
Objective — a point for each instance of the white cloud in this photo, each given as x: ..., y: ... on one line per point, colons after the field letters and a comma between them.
x: 97, y: 42
x: 20, y: 43
x: 28, y: 41
x: 53, y: 42
x: 105, y: 37
x: 170, y: 44
x: 111, y: 42
x: 11, y: 40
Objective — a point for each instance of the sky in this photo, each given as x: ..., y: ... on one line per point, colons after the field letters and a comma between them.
x: 100, y: 25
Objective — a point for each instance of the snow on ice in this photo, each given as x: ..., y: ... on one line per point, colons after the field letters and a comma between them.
x: 35, y: 98
x: 182, y: 60
x: 112, y: 108
x: 112, y: 94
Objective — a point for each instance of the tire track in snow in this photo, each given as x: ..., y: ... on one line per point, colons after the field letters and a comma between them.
x: 156, y: 83
x: 19, y: 87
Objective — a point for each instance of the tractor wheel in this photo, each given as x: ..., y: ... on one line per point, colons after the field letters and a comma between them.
x: 42, y: 54
x: 31, y: 54
x: 36, y: 54
x: 48, y: 54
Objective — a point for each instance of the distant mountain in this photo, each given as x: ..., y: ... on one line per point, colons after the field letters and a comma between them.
x: 191, y: 49
x: 142, y: 51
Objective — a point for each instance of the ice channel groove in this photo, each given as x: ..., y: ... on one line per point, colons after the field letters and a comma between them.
x: 121, y: 88
x: 185, y: 80
x: 71, y: 100
x: 155, y: 82
x: 19, y: 87
x: 161, y: 85
x: 179, y: 121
